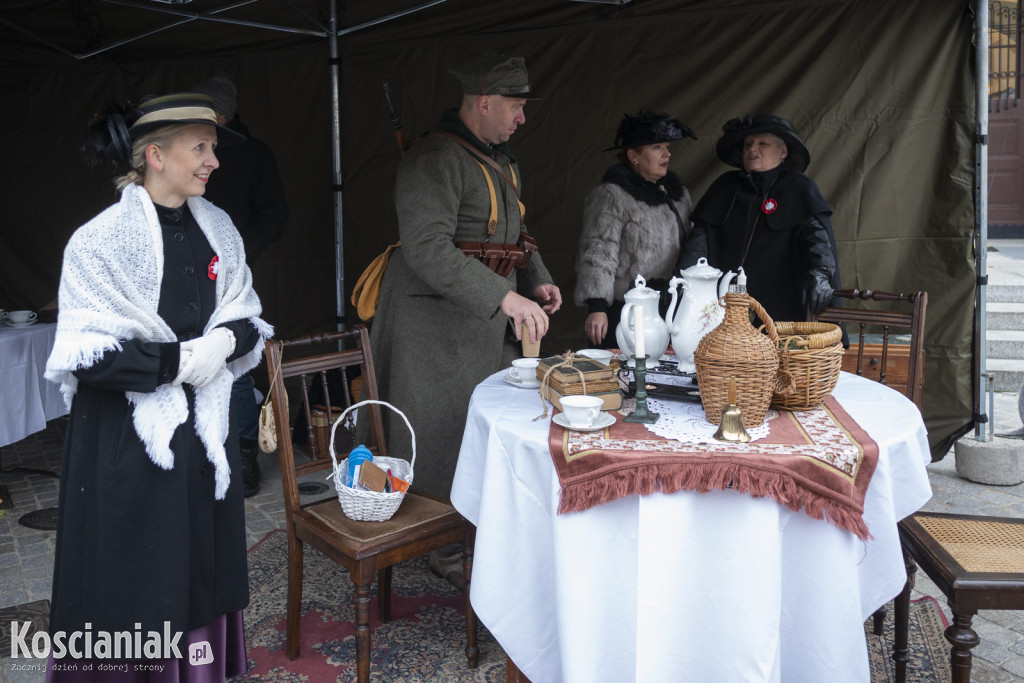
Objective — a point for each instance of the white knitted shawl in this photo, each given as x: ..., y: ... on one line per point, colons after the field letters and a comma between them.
x: 109, y: 291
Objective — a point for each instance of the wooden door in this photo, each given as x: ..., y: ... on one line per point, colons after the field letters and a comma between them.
x: 1006, y: 117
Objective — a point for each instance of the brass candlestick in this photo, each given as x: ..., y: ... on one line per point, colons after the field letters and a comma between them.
x: 730, y: 427
x: 641, y: 413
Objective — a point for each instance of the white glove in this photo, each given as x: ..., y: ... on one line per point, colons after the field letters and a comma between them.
x: 202, y: 358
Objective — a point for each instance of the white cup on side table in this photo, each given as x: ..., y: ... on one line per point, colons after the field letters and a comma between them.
x: 21, y: 317
x: 581, y: 411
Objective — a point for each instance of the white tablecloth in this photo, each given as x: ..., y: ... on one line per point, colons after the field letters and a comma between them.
x: 713, y: 587
x: 27, y: 401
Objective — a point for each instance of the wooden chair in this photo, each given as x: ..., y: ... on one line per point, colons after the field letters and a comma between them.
x: 420, y: 525
x: 898, y: 365
x: 977, y: 562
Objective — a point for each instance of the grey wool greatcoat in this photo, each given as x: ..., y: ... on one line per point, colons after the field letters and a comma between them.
x: 439, y: 330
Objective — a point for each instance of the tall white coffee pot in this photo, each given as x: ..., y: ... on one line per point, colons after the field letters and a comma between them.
x: 698, y: 311
x: 656, y: 335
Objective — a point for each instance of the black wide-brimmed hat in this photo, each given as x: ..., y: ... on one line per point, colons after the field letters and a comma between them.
x: 735, y: 131
x: 647, y: 128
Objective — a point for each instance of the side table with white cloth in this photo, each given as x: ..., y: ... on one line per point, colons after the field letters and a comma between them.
x: 718, y: 586
x: 27, y: 400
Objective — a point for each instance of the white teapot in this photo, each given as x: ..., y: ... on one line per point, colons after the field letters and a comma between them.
x: 698, y: 312
x: 656, y: 334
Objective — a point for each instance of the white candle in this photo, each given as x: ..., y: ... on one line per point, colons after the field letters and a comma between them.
x: 638, y: 331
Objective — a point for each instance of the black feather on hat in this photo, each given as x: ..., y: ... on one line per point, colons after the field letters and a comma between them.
x: 647, y: 128
x: 735, y: 131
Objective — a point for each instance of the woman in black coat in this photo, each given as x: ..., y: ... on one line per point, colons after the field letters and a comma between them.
x: 157, y: 317
x: 769, y: 218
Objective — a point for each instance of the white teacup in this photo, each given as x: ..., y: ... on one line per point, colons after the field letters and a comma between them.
x: 19, y: 317
x: 524, y: 369
x: 581, y: 411
x: 600, y: 355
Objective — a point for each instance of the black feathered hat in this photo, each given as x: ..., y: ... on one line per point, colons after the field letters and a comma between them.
x: 647, y: 128
x: 735, y: 131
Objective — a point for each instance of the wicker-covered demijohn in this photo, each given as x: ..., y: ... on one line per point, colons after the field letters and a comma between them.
x: 812, y: 352
x: 736, y: 349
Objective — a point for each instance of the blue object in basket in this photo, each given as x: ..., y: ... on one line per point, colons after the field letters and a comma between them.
x: 357, y: 456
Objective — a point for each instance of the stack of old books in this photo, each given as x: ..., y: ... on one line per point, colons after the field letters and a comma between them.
x: 582, y: 376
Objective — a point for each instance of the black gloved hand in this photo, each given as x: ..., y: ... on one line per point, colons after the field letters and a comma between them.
x: 817, y: 291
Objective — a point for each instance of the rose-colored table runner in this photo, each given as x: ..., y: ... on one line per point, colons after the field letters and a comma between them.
x: 819, y: 461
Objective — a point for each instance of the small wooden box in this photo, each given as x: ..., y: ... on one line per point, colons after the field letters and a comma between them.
x: 897, y: 364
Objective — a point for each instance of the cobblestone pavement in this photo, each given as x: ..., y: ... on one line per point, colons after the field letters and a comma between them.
x: 26, y: 555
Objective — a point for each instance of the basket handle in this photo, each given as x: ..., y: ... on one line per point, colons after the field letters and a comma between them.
x: 334, y: 459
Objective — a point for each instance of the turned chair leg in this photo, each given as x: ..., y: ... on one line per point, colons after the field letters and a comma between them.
x: 362, y: 600
x: 472, y: 652
x: 293, y: 609
x: 963, y: 638
x: 901, y: 614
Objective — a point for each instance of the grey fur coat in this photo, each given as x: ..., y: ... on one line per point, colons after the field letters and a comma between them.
x: 629, y: 228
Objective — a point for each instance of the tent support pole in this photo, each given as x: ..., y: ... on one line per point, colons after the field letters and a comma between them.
x: 981, y: 215
x: 339, y: 248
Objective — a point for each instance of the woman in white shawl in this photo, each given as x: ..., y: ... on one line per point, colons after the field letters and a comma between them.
x: 157, y: 317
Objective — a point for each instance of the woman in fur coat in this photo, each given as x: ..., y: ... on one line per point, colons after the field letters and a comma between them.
x: 634, y: 222
x: 157, y: 318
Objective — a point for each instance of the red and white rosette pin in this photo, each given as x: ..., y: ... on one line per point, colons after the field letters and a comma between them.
x: 214, y: 266
x: 769, y: 205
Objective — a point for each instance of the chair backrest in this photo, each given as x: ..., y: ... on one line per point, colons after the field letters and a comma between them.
x: 313, y: 371
x: 898, y: 365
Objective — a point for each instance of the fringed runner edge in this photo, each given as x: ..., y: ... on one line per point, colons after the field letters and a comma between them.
x: 641, y: 479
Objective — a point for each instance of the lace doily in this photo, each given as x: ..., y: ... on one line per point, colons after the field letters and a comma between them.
x: 684, y: 421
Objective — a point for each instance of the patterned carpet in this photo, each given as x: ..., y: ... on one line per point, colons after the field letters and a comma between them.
x: 426, y: 637
x: 929, y: 650
x: 424, y: 641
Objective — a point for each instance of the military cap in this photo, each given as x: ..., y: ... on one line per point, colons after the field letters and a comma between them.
x: 494, y: 74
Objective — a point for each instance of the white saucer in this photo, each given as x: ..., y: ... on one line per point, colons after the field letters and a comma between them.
x: 603, y: 420
x: 10, y: 324
x: 521, y: 384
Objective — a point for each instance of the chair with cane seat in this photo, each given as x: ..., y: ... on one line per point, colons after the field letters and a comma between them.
x: 978, y: 564
x: 420, y: 525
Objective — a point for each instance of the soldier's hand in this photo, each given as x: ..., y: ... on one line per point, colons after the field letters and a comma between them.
x: 523, y: 311
x: 550, y: 298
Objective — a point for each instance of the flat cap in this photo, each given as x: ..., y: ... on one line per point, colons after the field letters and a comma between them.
x: 494, y: 74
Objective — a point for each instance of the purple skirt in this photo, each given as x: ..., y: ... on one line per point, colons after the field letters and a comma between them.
x: 223, y: 659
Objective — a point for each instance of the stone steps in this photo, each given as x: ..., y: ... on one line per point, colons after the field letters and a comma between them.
x: 1004, y: 336
x: 1004, y: 316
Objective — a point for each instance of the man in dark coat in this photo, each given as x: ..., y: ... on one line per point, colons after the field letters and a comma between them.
x: 443, y: 321
x: 769, y: 218
x: 248, y: 186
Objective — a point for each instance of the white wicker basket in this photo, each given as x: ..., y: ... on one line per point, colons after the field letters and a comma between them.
x: 371, y: 506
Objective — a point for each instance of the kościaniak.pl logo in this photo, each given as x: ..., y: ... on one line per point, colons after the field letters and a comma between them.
x: 200, y: 653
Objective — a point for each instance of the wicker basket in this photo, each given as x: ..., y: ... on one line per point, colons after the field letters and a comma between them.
x: 735, y: 349
x: 371, y: 506
x: 813, y: 354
